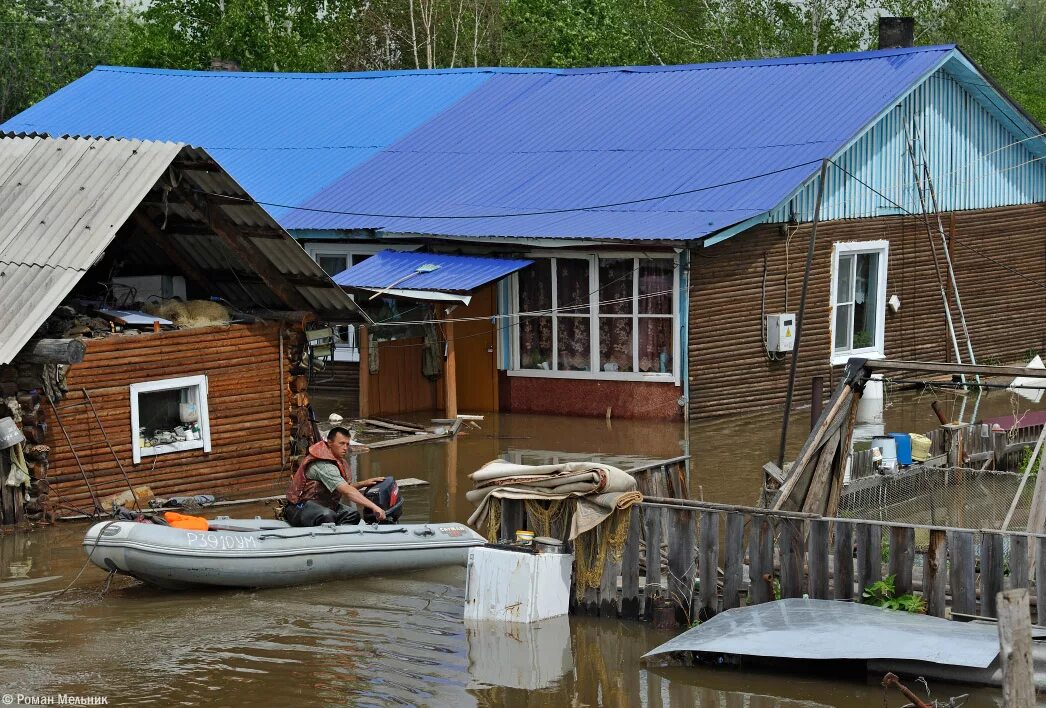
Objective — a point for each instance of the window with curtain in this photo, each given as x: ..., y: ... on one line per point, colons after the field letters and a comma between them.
x: 612, y: 315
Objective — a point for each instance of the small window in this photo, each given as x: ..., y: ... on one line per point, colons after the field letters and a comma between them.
x: 858, y: 300
x: 169, y: 416
x: 332, y: 264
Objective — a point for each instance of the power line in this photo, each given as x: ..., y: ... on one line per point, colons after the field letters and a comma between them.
x: 542, y: 212
x: 953, y: 237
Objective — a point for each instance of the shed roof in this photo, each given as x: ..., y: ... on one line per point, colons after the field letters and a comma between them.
x: 64, y: 200
x: 636, y: 153
x: 417, y: 274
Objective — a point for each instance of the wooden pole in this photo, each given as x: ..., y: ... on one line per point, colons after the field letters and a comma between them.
x: 799, y: 318
x: 1018, y: 683
x: 364, y: 347
x: 450, y: 370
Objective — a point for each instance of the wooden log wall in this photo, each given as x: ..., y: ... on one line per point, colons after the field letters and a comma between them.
x: 742, y: 556
x: 729, y: 371
x: 250, y: 431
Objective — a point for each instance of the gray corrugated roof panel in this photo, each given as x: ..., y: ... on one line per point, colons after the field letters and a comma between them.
x: 826, y: 629
x: 63, y: 201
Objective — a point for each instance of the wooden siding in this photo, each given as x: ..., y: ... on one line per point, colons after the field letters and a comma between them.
x: 243, y: 369
x: 399, y: 386
x: 729, y: 371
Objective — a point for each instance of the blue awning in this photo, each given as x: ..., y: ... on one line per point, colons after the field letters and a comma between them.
x: 427, y: 276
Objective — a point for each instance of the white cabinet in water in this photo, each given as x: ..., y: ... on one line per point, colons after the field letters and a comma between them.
x: 512, y: 586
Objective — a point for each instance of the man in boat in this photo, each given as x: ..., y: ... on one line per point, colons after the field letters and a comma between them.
x: 321, y: 482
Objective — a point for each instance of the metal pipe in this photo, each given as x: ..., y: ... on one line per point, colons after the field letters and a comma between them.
x: 105, y: 436
x: 802, y: 311
x: 72, y: 448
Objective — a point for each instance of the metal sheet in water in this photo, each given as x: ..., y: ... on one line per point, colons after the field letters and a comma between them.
x: 825, y: 629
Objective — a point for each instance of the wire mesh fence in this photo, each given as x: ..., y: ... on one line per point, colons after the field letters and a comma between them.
x: 939, y: 496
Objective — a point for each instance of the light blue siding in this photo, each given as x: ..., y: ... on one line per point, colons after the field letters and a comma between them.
x: 975, y: 159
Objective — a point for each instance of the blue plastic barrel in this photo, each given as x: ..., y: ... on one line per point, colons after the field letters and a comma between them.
x: 904, y: 447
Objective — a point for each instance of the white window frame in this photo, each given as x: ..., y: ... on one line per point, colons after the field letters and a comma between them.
x: 593, y: 270
x: 878, y: 349
x: 204, y: 443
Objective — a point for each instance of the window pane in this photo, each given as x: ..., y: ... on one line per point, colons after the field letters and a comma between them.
x: 655, y: 344
x: 842, y: 327
x: 615, y: 343
x: 844, y: 291
x: 535, y: 343
x: 615, y: 285
x: 535, y: 287
x: 170, y: 416
x: 332, y: 265
x: 866, y: 293
x: 655, y: 282
x: 575, y: 336
x: 572, y: 285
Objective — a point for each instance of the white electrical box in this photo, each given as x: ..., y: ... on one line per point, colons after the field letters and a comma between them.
x: 780, y: 332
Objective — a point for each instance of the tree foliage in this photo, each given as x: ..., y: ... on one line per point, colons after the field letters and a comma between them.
x: 47, y: 43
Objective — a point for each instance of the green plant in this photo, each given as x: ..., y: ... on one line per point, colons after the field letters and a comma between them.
x: 1026, y: 458
x: 883, y: 593
x: 862, y: 339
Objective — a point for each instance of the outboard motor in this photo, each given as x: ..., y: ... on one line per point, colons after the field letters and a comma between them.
x: 386, y: 495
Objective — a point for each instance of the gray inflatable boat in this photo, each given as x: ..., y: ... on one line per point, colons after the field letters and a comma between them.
x: 257, y: 553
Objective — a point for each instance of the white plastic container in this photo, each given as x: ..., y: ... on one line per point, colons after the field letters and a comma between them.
x: 509, y: 586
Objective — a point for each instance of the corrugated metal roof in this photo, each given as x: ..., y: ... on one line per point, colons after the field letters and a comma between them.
x: 411, y: 270
x: 519, y: 155
x: 63, y: 201
x: 637, y: 153
x: 283, y: 137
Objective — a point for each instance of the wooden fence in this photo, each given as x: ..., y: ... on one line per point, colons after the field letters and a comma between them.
x: 717, y: 557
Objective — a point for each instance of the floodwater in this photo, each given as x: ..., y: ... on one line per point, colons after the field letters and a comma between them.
x: 398, y: 640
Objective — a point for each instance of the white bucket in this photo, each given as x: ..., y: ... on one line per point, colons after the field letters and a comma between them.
x: 870, y: 407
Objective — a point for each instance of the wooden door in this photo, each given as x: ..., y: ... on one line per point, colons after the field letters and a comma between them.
x: 475, y: 344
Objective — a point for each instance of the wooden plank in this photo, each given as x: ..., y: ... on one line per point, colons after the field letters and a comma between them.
x: 708, y: 564
x: 869, y: 556
x: 1015, y: 653
x: 843, y: 555
x: 962, y: 575
x: 630, y: 605
x: 1040, y: 581
x: 902, y: 558
x: 991, y: 572
x: 791, y: 534
x: 817, y: 499
x: 760, y: 560
x: 608, y: 596
x: 681, y: 563
x: 817, y: 555
x: 652, y: 525
x: 733, y: 566
x: 1018, y: 563
x: 935, y: 578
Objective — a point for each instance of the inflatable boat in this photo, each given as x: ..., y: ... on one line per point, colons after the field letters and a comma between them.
x: 256, y: 553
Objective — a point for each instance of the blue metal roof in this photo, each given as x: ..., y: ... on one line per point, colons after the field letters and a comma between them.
x: 411, y: 270
x: 637, y: 153
x: 593, y: 153
x: 281, y: 136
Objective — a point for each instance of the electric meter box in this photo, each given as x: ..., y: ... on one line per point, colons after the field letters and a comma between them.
x: 780, y: 332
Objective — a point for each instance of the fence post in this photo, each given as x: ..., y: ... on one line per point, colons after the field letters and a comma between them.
x: 936, y: 575
x: 869, y: 556
x: 761, y: 560
x: 709, y: 564
x: 733, y: 566
x: 790, y: 532
x: 652, y: 523
x: 844, y: 560
x: 1018, y: 682
x: 991, y: 572
x: 962, y: 572
x: 681, y: 558
x: 902, y: 557
x: 818, y: 559
x: 630, y: 608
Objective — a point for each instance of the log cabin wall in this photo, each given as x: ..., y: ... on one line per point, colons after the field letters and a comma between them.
x: 248, y: 428
x: 729, y: 372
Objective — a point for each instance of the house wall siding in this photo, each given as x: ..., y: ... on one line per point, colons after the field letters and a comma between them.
x: 729, y: 371
x: 243, y: 367
x: 583, y: 397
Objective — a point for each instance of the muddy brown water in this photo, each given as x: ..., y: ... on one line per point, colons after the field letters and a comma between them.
x: 398, y: 640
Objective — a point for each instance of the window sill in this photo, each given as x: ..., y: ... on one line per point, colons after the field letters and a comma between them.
x: 841, y: 359
x: 171, y: 447
x: 594, y: 375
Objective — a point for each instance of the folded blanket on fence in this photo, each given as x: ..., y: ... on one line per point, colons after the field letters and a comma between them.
x: 598, y: 489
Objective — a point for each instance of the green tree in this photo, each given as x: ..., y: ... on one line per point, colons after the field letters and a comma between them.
x: 45, y: 44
